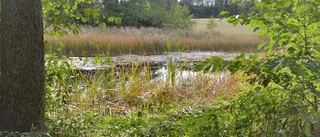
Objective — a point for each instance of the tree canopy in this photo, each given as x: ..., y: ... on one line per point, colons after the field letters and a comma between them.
x: 212, y: 8
x: 135, y: 13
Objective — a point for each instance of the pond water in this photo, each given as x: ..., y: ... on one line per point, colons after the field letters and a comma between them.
x: 186, y: 58
x: 158, y: 64
x: 181, y: 76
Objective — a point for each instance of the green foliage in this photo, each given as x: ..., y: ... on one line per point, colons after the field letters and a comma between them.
x: 179, y: 17
x: 116, y: 20
x: 61, y: 16
x: 57, y: 80
x: 145, y: 13
x: 212, y: 8
x: 289, y: 75
x: 281, y: 100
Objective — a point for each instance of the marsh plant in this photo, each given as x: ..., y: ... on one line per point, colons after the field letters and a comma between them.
x: 125, y: 101
x: 132, y: 102
x: 148, y: 41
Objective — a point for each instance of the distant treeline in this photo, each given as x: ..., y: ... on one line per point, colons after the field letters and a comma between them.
x: 154, y: 13
x: 212, y: 8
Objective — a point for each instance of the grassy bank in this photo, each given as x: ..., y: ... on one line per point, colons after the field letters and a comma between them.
x: 135, y: 104
x: 151, y: 41
x: 130, y: 104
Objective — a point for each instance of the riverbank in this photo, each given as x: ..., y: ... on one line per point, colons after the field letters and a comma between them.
x: 153, y: 60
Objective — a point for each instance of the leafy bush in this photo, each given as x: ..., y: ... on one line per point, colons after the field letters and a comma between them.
x: 287, y: 80
x: 178, y: 17
x: 147, y: 13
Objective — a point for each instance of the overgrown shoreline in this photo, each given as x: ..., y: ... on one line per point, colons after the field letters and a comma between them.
x: 187, y: 58
x: 132, y: 103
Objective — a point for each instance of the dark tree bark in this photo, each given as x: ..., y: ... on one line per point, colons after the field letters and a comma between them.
x: 22, y: 66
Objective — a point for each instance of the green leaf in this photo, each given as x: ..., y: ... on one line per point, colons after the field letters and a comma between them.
x: 223, y: 13
x: 95, y: 12
x: 118, y: 20
x: 260, y: 46
x: 262, y: 32
x: 240, y: 57
x: 213, y: 64
x: 111, y: 19
x: 87, y: 11
x: 97, y: 59
x: 254, y: 56
x: 57, y: 12
x: 235, y: 22
x: 307, y: 131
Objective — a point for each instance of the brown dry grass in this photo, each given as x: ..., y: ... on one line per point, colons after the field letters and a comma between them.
x: 150, y: 41
x: 144, y: 91
x: 224, y: 27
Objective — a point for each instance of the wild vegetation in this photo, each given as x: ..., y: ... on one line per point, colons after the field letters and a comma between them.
x: 130, y: 103
x: 285, y: 90
x: 252, y: 95
x: 133, y: 103
x: 133, y: 13
x: 150, y: 41
x: 276, y: 95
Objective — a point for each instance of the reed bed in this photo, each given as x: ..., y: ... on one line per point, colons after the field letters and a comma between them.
x: 104, y: 93
x: 83, y: 105
x: 149, y: 41
x: 80, y: 104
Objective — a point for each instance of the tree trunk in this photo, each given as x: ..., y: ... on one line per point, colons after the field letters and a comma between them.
x: 22, y: 66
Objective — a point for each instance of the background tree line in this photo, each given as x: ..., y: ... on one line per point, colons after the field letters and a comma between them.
x: 134, y: 13
x: 155, y: 13
x: 212, y: 8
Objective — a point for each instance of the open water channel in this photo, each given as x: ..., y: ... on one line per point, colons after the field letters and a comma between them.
x: 183, y: 61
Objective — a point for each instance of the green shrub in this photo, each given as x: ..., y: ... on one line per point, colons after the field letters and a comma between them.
x: 285, y: 97
x: 179, y: 18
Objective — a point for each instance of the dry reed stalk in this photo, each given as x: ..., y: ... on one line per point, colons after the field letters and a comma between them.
x: 149, y: 41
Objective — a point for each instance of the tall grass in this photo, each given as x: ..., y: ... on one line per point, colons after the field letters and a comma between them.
x: 80, y: 105
x: 148, y: 41
x: 131, y: 101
